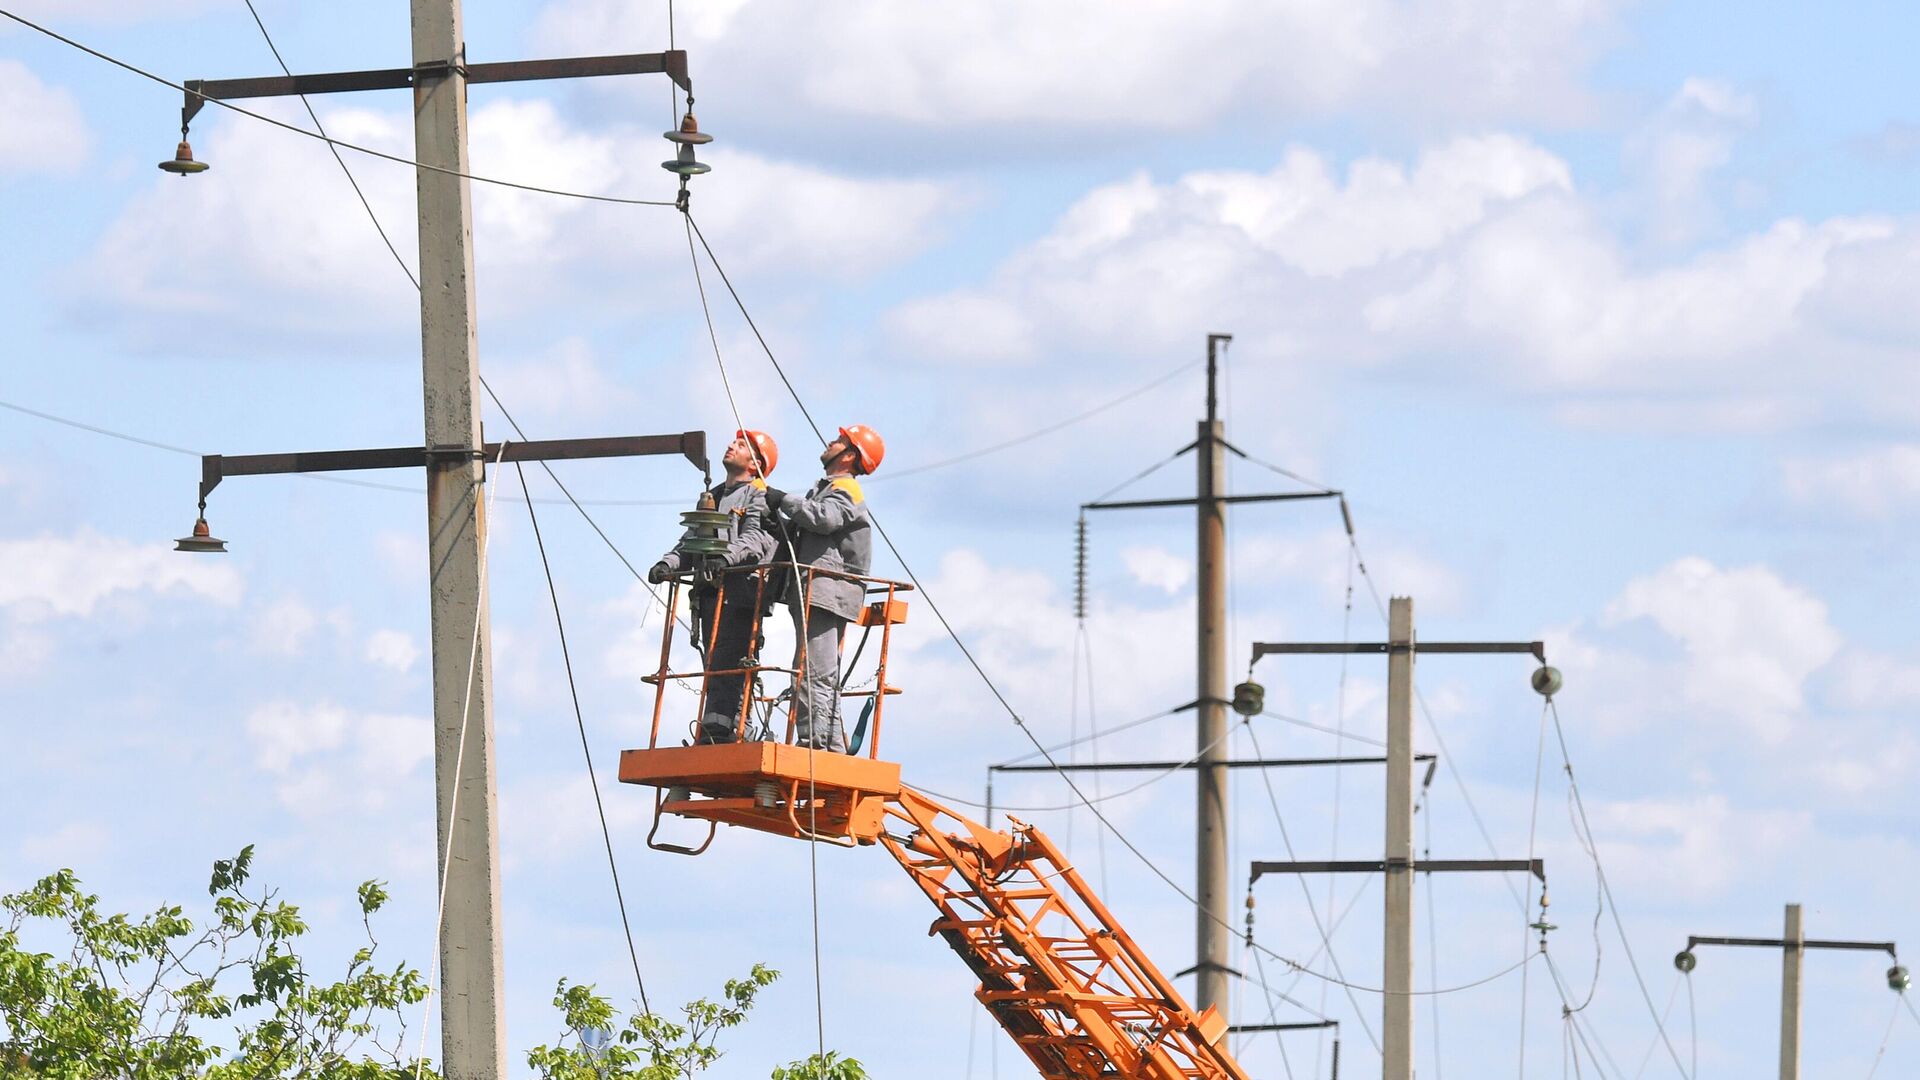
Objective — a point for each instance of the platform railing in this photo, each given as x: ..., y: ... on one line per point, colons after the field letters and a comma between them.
x: 882, y: 608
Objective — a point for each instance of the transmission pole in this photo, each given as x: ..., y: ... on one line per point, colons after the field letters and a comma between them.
x: 1213, y: 932
x: 1396, y: 1029
x: 473, y: 1030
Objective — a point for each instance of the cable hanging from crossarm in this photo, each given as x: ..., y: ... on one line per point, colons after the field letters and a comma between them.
x: 586, y: 751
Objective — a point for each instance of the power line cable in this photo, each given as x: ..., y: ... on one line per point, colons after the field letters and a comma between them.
x: 335, y: 151
x: 1306, y: 892
x: 1885, y: 1038
x: 586, y: 752
x: 994, y: 689
x: 1049, y: 429
x: 1613, y: 906
x: 298, y: 130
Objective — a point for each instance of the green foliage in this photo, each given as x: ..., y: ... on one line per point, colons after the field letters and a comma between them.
x: 163, y: 998
x: 650, y: 1047
x: 136, y: 998
x: 830, y: 1066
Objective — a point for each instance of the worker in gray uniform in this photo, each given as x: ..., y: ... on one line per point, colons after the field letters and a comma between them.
x: 741, y: 495
x: 829, y: 530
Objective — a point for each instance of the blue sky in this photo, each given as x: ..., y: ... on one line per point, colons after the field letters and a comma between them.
x: 1599, y: 311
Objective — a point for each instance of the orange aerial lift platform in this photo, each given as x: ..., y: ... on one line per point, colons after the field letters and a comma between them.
x: 1056, y: 970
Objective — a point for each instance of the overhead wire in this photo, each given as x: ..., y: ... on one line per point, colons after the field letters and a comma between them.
x: 813, y: 838
x: 1885, y: 1038
x: 1037, y: 433
x: 993, y: 688
x: 606, y: 833
x: 586, y: 751
x: 298, y: 130
x: 1306, y: 892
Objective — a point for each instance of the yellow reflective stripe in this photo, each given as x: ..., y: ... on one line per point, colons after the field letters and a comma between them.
x: 759, y: 483
x: 851, y: 486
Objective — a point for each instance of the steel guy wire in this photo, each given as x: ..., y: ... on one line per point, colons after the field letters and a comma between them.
x: 1306, y: 892
x: 459, y: 760
x: 1908, y: 1002
x: 1069, y: 807
x: 1589, y: 1037
x: 1673, y: 995
x: 1279, y: 1039
x: 993, y: 687
x: 1340, y: 732
x: 1613, y: 906
x: 580, y: 720
x: 315, y: 117
x: 1885, y: 1038
x: 1049, y: 429
x: 1161, y: 715
x: 1433, y: 923
x: 1526, y: 932
x: 298, y: 130
x: 813, y: 810
x: 321, y: 477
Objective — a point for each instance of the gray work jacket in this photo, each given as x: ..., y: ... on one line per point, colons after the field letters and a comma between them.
x: 749, y: 541
x: 830, y: 530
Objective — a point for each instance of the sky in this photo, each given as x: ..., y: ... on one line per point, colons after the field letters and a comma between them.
x: 1599, y: 312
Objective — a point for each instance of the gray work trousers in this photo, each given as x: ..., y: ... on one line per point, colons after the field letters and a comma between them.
x: 732, y: 645
x: 816, y: 693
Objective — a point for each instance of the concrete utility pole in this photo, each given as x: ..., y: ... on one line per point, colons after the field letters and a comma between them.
x: 1213, y: 932
x: 1793, y: 946
x: 1396, y: 1038
x: 473, y: 1030
x: 1793, y: 949
x: 1397, y: 863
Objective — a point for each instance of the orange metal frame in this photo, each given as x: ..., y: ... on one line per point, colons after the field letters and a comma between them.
x: 885, y: 611
x: 1056, y: 969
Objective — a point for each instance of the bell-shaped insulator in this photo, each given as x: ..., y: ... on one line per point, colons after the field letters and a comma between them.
x: 201, y: 539
x: 1899, y: 979
x: 685, y: 164
x: 1684, y: 961
x: 706, y: 528
x: 183, y: 163
x: 688, y: 132
x: 1547, y: 681
x: 1249, y: 699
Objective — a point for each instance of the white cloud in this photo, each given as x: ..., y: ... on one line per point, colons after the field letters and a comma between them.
x: 1158, y: 567
x: 74, y: 844
x: 282, y: 627
x: 1478, y: 260
x: 42, y: 128
x: 297, y: 259
x: 1681, y: 148
x: 1751, y: 640
x: 1696, y: 846
x: 1085, y: 66
x: 282, y: 732
x: 109, y: 12
x: 565, y: 380
x: 329, y: 759
x: 394, y: 650
x: 1875, y: 483
x: 71, y: 576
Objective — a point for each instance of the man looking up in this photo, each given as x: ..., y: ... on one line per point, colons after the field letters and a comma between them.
x: 830, y: 531
x: 742, y: 496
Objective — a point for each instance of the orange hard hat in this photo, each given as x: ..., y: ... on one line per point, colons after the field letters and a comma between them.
x: 868, y: 448
x: 764, y: 449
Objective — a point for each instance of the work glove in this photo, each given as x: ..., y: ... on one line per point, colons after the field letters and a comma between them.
x: 775, y: 497
x: 709, y: 570
x: 659, y: 573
